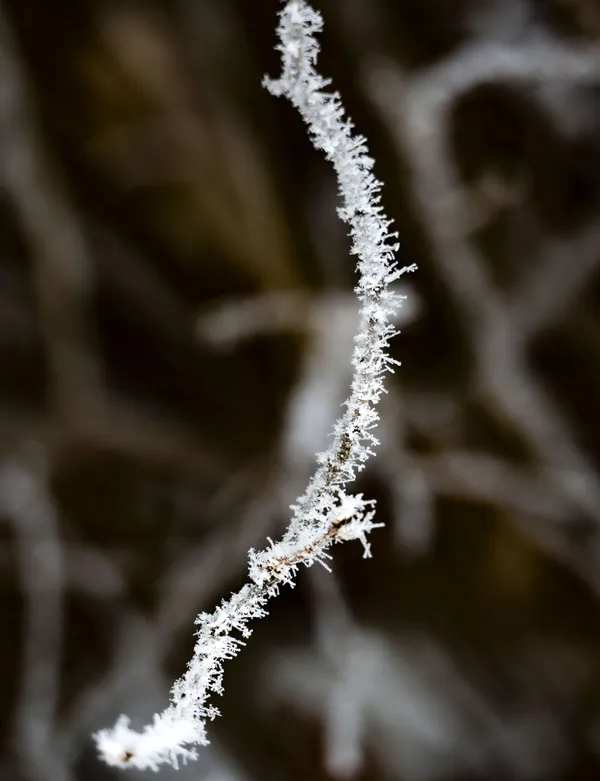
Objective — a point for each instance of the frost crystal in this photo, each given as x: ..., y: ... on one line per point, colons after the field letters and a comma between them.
x: 325, y: 513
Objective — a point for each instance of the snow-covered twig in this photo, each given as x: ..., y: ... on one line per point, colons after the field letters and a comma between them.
x: 325, y: 513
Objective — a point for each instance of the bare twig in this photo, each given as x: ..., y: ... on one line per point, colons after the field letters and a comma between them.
x: 25, y: 500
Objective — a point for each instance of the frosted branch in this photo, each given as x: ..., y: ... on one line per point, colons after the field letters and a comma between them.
x: 325, y: 513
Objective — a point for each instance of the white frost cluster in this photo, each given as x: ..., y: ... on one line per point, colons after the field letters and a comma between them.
x: 325, y: 513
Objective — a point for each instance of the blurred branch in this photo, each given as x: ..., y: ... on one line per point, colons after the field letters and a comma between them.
x: 61, y: 265
x: 417, y: 110
x: 564, y: 266
x: 25, y: 500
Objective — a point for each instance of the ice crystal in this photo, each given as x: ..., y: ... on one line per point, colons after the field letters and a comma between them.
x: 326, y: 513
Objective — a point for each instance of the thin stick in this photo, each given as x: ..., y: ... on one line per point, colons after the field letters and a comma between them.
x: 325, y: 513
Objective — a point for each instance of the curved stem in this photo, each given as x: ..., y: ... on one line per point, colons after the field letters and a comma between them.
x: 325, y: 513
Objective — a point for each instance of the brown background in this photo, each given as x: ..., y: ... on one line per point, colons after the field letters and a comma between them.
x: 175, y: 298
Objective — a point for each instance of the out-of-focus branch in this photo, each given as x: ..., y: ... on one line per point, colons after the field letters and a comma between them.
x: 61, y: 266
x: 417, y: 109
x: 563, y: 268
x: 25, y: 500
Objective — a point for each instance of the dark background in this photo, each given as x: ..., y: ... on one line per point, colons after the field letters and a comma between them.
x: 176, y: 320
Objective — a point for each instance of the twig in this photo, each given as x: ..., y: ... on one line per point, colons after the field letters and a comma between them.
x: 325, y: 513
x: 61, y: 263
x: 25, y: 500
x: 420, y: 124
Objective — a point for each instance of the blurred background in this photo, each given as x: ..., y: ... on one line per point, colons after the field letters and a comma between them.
x: 176, y: 322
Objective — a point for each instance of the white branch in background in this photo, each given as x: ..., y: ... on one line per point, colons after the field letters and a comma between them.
x: 325, y: 513
x: 25, y: 500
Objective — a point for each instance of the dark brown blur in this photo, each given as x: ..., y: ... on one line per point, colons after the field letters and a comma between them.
x: 176, y: 323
